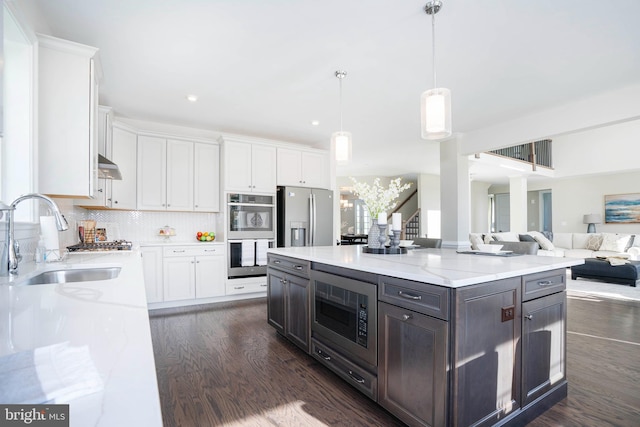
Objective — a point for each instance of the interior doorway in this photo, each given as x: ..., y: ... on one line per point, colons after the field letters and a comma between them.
x: 546, y: 218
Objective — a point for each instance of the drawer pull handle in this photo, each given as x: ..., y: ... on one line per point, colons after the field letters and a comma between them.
x: 178, y: 252
x: 409, y: 296
x: 529, y: 317
x: 238, y: 287
x: 323, y: 356
x: 545, y: 283
x: 406, y: 317
x: 276, y: 262
x: 298, y: 267
x: 209, y: 250
x: 264, y: 285
x: 356, y: 378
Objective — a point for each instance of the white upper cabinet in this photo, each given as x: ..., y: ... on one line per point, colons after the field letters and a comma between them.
x: 123, y: 154
x: 165, y: 174
x: 303, y: 168
x: 249, y: 167
x: 67, y: 109
x: 179, y: 175
x: 206, y: 178
x: 152, y: 173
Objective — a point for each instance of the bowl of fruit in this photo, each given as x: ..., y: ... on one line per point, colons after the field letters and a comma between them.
x: 205, y: 236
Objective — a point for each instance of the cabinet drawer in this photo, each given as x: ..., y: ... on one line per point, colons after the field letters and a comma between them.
x: 296, y: 266
x: 541, y: 284
x: 424, y: 298
x: 358, y: 377
x: 245, y: 288
x: 203, y: 250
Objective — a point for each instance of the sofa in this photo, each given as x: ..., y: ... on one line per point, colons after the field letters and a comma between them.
x: 571, y: 245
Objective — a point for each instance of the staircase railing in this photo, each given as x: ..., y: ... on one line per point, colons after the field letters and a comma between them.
x: 536, y: 153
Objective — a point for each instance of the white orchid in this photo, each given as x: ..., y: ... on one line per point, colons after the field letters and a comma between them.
x: 376, y: 198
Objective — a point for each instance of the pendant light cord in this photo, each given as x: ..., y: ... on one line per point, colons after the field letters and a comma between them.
x: 433, y: 46
x: 340, y: 78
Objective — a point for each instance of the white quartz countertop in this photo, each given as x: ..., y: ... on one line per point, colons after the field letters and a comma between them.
x: 436, y: 266
x: 109, y: 318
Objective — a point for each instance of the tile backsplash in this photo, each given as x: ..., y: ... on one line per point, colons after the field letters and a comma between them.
x: 139, y: 226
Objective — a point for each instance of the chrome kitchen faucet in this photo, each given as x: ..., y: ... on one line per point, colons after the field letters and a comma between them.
x: 11, y: 253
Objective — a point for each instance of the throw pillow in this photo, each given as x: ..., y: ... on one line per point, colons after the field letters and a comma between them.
x: 594, y: 241
x: 526, y: 238
x: 542, y: 241
x: 614, y: 242
x: 475, y: 240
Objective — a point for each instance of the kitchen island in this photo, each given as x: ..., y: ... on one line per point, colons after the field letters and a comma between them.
x: 98, y: 329
x: 435, y: 337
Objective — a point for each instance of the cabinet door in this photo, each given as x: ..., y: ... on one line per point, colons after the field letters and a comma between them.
x: 179, y: 278
x: 297, y: 312
x: 206, y: 178
x: 151, y: 173
x: 276, y: 299
x: 289, y: 167
x: 543, y: 349
x: 263, y: 169
x: 123, y: 152
x: 237, y: 167
x: 210, y: 276
x: 179, y: 175
x: 67, y: 109
x: 315, y: 170
x: 487, y: 363
x: 412, y: 365
x: 152, y: 270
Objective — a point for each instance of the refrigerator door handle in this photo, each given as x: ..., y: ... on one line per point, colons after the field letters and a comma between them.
x: 313, y: 219
x: 310, y: 233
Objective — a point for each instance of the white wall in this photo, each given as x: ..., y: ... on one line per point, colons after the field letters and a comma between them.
x: 429, y: 204
x: 573, y: 198
x: 479, y: 205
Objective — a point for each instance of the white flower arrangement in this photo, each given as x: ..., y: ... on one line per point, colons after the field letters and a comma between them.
x: 378, y: 199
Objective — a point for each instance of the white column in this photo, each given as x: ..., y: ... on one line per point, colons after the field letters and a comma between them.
x: 429, y: 203
x: 518, y: 204
x: 454, y: 195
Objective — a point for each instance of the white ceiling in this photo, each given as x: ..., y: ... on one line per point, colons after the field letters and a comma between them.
x: 266, y: 68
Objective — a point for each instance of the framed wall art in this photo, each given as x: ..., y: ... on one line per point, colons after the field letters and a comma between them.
x: 622, y: 208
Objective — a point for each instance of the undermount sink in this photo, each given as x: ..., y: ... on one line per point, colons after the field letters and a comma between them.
x: 73, y: 275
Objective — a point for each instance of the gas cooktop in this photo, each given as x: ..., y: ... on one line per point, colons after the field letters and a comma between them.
x: 116, y: 245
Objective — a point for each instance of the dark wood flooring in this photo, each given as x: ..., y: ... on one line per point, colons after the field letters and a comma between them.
x: 222, y: 364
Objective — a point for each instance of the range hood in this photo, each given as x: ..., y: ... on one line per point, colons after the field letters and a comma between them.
x: 107, y: 169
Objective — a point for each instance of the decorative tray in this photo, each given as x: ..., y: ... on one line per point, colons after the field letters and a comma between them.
x: 384, y: 251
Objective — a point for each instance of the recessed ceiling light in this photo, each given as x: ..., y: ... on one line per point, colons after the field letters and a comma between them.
x: 315, y: 122
x: 192, y: 98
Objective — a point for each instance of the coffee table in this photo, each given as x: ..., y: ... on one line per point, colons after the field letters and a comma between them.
x: 594, y: 268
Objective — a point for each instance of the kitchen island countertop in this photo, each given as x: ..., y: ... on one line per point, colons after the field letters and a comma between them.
x: 109, y: 317
x: 443, y: 267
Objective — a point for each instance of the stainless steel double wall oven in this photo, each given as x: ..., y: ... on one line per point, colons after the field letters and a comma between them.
x: 251, y: 222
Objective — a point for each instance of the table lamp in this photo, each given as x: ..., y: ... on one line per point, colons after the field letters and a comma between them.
x: 592, y: 220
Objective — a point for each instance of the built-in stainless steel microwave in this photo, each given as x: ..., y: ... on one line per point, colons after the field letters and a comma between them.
x: 250, y: 216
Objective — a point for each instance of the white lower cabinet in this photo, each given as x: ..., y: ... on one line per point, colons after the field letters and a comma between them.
x: 152, y: 270
x: 191, y: 272
x: 247, y: 285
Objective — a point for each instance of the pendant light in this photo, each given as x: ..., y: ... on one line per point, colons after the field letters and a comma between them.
x: 341, y: 141
x: 435, y: 104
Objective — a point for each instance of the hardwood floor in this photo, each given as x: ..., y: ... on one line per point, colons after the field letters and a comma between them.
x: 223, y: 364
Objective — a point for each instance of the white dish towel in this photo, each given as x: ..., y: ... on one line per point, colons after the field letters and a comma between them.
x: 56, y: 373
x: 248, y: 258
x: 261, y: 251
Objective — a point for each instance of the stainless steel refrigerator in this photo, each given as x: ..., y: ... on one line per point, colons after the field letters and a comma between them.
x: 304, y: 217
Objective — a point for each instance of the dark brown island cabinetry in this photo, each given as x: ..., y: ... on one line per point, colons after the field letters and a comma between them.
x: 288, y: 299
x: 491, y: 353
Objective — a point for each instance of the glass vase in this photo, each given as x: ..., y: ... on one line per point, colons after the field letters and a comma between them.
x: 373, y: 238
